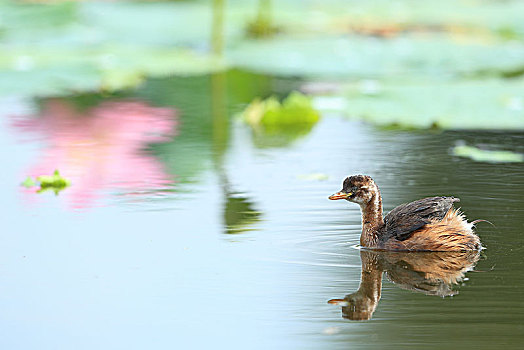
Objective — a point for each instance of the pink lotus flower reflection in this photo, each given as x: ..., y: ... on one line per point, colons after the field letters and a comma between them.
x: 101, y: 149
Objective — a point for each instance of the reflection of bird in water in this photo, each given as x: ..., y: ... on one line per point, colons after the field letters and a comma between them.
x: 431, y: 273
x: 429, y: 224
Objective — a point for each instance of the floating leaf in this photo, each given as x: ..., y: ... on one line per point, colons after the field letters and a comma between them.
x: 65, y: 70
x: 435, y: 55
x: 53, y: 182
x: 462, y: 104
x: 29, y: 182
x: 68, y: 47
x: 480, y: 155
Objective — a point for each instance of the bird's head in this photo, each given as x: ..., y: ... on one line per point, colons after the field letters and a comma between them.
x: 357, y: 188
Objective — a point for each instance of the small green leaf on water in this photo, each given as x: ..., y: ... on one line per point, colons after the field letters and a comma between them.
x: 480, y: 155
x: 29, y: 182
x: 54, y: 182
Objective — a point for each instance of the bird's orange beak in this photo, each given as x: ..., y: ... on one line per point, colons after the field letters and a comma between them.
x: 340, y: 302
x: 339, y: 195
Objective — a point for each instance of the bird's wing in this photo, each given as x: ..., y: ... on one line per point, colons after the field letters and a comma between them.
x: 405, y: 219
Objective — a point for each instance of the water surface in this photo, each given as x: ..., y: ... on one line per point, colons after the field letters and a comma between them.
x: 183, y: 229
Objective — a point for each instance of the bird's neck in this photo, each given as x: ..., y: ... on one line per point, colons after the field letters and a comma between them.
x: 371, y: 220
x: 371, y: 278
x: 366, y: 298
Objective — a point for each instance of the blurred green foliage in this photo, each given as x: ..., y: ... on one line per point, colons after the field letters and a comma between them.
x: 187, y: 154
x: 277, y: 124
x: 443, y: 64
x: 270, y: 114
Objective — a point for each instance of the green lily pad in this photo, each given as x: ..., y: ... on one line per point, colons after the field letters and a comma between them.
x: 62, y: 71
x: 480, y: 155
x: 433, y: 55
x: 68, y: 47
x: 454, y: 104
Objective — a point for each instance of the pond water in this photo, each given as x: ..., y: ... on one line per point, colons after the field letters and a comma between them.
x: 184, y: 230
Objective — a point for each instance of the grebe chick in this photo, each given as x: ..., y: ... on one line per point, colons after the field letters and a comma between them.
x: 429, y: 224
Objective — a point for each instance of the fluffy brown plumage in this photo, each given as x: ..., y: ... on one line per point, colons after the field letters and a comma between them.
x: 429, y: 224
